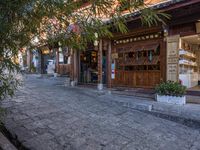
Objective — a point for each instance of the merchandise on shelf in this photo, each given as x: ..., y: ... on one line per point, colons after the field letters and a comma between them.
x: 188, y: 71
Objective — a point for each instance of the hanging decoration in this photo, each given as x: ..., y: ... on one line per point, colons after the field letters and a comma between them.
x: 138, y: 38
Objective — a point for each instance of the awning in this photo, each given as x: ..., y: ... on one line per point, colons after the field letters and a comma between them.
x: 150, y: 47
x: 137, y: 48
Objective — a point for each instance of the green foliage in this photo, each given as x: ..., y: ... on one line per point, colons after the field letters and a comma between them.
x: 33, y: 69
x: 171, y: 88
x: 8, y: 84
x: 23, y: 20
x: 8, y: 80
x: 150, y: 16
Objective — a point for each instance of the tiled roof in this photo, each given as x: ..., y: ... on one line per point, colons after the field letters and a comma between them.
x: 160, y: 5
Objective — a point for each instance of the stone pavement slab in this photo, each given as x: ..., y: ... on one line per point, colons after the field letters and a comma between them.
x: 188, y: 111
x: 45, y: 116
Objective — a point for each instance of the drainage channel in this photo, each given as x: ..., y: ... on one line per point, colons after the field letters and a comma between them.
x: 12, y: 139
x: 184, y: 121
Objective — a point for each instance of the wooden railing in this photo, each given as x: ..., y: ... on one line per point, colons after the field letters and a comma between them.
x: 64, y: 69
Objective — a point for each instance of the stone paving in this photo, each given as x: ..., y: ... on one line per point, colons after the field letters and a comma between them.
x: 47, y: 116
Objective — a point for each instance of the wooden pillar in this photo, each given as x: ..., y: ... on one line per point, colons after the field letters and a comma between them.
x: 72, y: 65
x: 109, y: 65
x: 100, y: 75
x: 57, y: 60
x: 41, y: 62
x: 163, y: 61
x: 29, y: 59
x: 74, y: 68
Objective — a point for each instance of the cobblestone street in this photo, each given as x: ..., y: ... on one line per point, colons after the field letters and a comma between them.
x: 44, y: 115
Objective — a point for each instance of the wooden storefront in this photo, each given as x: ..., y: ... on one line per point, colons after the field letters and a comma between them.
x: 135, y: 60
x: 64, y: 69
x: 142, y: 57
x: 139, y: 60
x: 182, y: 23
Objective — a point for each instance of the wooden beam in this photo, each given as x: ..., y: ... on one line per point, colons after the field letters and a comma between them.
x: 185, y: 19
x: 170, y: 7
x: 183, y: 4
x: 137, y: 31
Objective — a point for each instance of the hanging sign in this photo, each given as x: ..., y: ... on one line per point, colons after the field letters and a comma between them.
x: 113, y: 71
x: 173, y: 57
x: 113, y: 74
x: 114, y: 55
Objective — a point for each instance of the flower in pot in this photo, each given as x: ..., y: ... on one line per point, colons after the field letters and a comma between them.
x: 171, y: 92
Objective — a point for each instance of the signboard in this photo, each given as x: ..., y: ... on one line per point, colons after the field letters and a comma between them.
x: 173, y: 57
x: 114, y: 56
x: 113, y: 70
x: 61, y: 57
x: 172, y: 60
x: 198, y: 27
x: 113, y: 74
x: 113, y: 66
x: 172, y: 68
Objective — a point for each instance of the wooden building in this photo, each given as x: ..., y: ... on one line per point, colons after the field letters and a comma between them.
x: 144, y: 56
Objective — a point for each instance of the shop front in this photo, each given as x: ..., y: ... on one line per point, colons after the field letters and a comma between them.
x: 89, y: 66
x: 184, y: 56
x: 139, y: 60
x: 183, y: 46
x: 46, y: 60
x: 146, y: 56
x: 189, y: 63
x: 63, y: 61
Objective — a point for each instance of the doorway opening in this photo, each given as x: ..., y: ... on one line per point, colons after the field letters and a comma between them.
x: 89, y: 67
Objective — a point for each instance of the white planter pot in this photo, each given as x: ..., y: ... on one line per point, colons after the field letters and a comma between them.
x: 73, y: 83
x: 171, y: 99
x: 100, y: 86
x: 55, y: 74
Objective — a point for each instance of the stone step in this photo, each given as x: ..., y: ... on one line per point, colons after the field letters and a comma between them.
x: 193, y: 99
x: 134, y: 93
x: 67, y: 82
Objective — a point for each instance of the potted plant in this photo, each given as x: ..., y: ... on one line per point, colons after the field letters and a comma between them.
x: 33, y: 69
x: 171, y: 92
x: 55, y: 73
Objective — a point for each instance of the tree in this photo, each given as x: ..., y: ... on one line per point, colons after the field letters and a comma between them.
x: 65, y: 21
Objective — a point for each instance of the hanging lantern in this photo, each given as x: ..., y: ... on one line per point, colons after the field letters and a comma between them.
x: 96, y: 37
x: 150, y: 56
x: 165, y: 31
